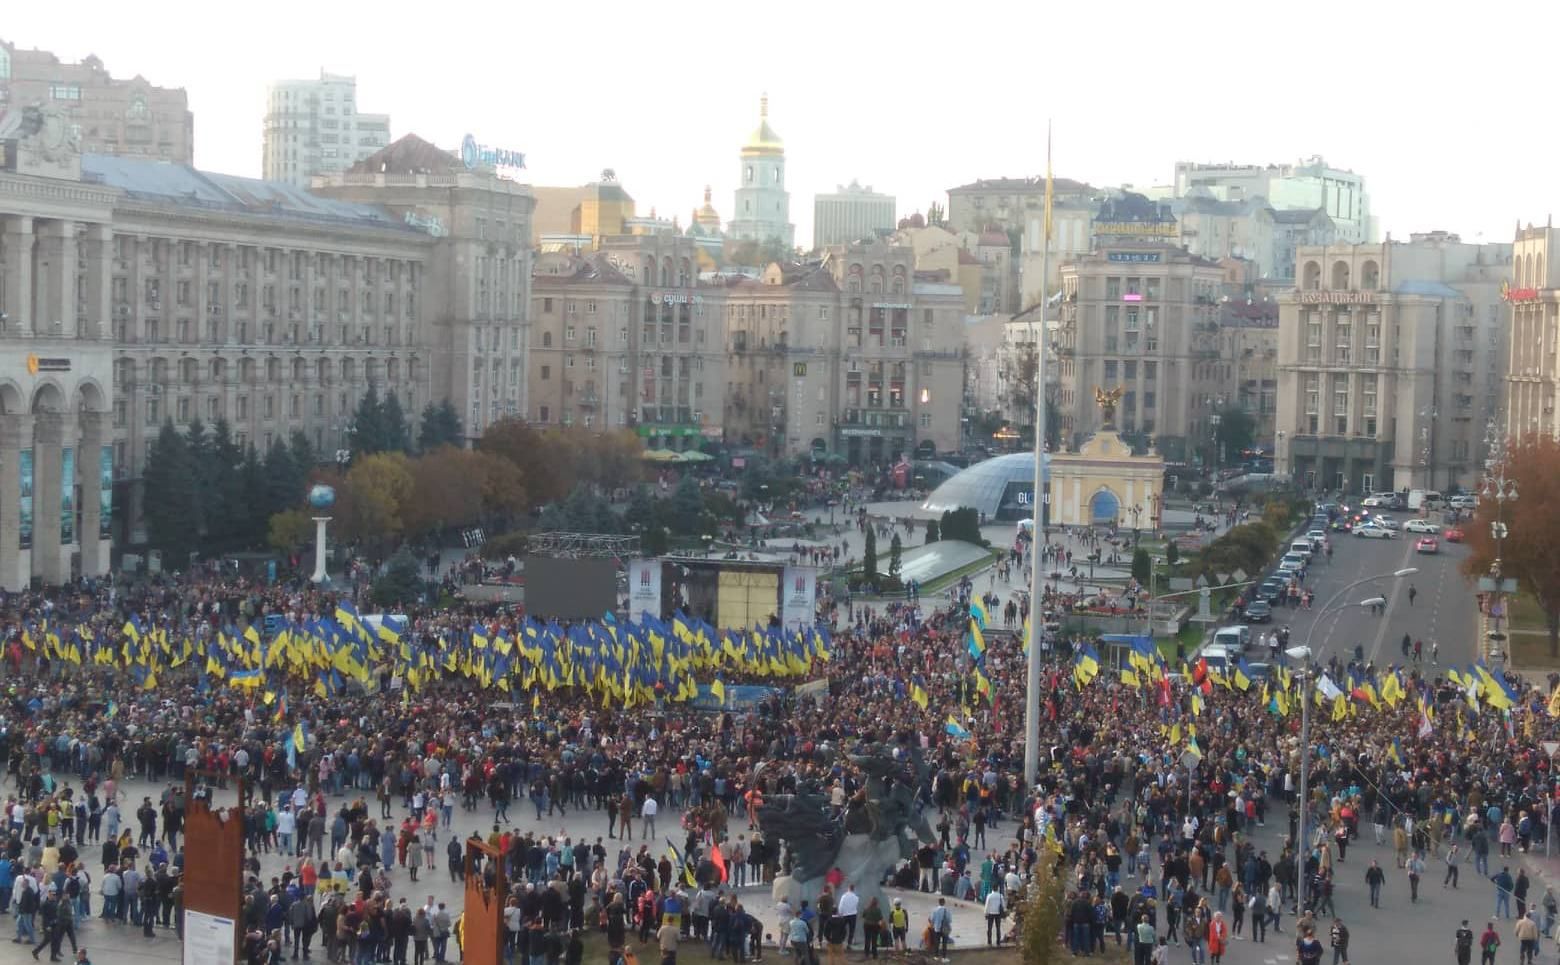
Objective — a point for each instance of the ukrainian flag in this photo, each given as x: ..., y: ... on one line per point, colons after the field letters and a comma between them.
x: 956, y: 729
x: 977, y: 642
x: 918, y: 695
x: 977, y: 612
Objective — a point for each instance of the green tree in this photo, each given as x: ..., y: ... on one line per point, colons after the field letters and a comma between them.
x: 962, y: 524
x: 392, y: 419
x: 368, y: 434
x: 401, y: 582
x: 170, y: 492
x: 440, y: 426
x: 1172, y: 553
x: 685, y: 514
x: 283, y: 479
x: 1041, y: 912
x: 1142, y: 566
x: 303, y: 455
x: 288, y: 531
x: 1234, y: 433
x: 248, y: 506
x: 895, y: 551
x: 869, y: 570
x: 932, y: 532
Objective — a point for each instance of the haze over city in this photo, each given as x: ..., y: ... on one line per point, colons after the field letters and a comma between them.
x: 1433, y: 105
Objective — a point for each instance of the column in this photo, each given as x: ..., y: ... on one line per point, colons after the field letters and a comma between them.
x: 16, y: 432
x: 98, y: 311
x: 94, y: 549
x: 18, y: 305
x: 55, y: 295
x: 51, y: 433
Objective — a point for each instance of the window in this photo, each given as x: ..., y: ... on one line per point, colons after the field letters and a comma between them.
x: 543, y: 413
x: 926, y: 420
x: 151, y: 412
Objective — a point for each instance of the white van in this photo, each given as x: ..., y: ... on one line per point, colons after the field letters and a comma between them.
x: 1302, y: 546
x: 1234, y: 639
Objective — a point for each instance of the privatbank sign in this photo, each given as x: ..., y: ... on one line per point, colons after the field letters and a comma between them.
x: 1510, y: 294
x: 479, y: 156
x: 1337, y: 298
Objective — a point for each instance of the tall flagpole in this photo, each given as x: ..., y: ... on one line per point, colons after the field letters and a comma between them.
x: 1036, y: 577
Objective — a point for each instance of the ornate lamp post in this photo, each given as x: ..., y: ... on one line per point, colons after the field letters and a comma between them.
x: 1502, y: 490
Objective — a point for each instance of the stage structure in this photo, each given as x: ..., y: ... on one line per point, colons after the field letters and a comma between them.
x: 574, y: 576
x: 727, y: 594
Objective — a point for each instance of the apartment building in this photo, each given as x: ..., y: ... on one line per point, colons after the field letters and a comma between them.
x: 314, y: 127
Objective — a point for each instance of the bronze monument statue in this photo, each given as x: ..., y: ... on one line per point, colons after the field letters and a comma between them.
x: 1107, y: 402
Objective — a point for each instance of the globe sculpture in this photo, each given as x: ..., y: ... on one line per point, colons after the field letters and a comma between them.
x: 322, y: 497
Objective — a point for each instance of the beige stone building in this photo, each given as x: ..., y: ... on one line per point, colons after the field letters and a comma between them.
x: 1391, y: 363
x: 1141, y: 315
x: 1248, y: 344
x: 856, y: 354
x: 137, y: 291
x: 130, y: 118
x: 1102, y: 483
x: 1533, y: 300
x: 625, y: 337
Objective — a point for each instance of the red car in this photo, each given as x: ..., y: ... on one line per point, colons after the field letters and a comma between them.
x: 1453, y: 535
x: 1427, y: 545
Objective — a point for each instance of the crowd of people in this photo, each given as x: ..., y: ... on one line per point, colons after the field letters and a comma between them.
x: 383, y: 790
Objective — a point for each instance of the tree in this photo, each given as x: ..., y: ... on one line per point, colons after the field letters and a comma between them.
x: 250, y: 500
x: 289, y: 530
x: 446, y: 492
x: 503, y: 491
x: 1234, y: 433
x: 392, y: 420
x: 1042, y: 911
x: 1018, y: 371
x: 1530, y: 551
x: 401, y: 582
x: 1172, y: 553
x: 962, y: 524
x: 869, y: 571
x: 440, y: 426
x: 895, y: 552
x: 541, y: 459
x: 932, y: 533
x: 170, y: 493
x: 368, y: 431
x: 284, y: 484
x: 687, y: 508
x: 1142, y: 566
x: 378, y: 487
x: 303, y: 454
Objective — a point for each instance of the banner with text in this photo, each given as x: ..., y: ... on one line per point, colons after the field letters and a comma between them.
x: 799, y: 597
x: 106, y: 492
x: 644, y: 589
x: 67, y: 496
x: 24, y: 462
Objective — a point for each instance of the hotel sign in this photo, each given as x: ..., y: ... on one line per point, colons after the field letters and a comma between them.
x: 1145, y: 229
x: 37, y: 363
x: 1337, y: 298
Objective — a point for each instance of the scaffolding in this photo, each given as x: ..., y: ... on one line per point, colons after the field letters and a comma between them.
x: 582, y: 546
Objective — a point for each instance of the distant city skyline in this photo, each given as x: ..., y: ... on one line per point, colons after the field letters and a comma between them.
x: 1420, y: 126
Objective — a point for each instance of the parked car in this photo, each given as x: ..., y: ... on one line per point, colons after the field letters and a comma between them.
x: 1258, y: 611
x: 1421, y: 526
x: 1453, y: 535
x: 1427, y: 544
x: 1372, y: 531
x: 1272, y: 590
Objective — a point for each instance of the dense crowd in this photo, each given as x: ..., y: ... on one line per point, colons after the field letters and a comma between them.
x: 1152, y: 854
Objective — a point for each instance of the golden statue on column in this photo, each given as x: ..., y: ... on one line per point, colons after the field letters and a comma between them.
x: 1107, y: 402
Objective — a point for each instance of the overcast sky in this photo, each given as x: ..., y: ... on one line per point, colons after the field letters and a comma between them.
x: 1444, y: 107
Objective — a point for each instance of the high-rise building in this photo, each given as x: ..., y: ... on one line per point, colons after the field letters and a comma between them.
x: 1391, y: 363
x: 135, y: 291
x: 851, y: 214
x: 1533, y: 299
x: 314, y: 127
x: 129, y: 118
x: 762, y: 209
x: 1307, y: 185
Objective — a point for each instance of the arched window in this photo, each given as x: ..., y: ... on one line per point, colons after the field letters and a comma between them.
x: 1340, y: 276
x: 1370, y: 276
x: 1312, y: 276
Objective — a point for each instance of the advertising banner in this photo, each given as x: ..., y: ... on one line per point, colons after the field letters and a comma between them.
x: 67, y: 496
x: 644, y: 589
x: 24, y: 463
x: 799, y: 597
x: 106, y: 492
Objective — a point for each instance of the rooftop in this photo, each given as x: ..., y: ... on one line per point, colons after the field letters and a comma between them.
x: 1058, y: 185
x: 145, y: 179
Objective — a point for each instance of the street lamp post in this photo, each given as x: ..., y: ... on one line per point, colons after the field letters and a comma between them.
x: 1306, y: 655
x: 1502, y: 490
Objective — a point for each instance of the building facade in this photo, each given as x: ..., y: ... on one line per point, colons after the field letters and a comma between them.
x: 138, y: 292
x: 1141, y: 315
x: 1391, y: 364
x: 625, y: 337
x: 313, y: 127
x: 1533, y: 301
x: 129, y: 118
x: 1011, y: 203
x: 762, y: 208
x: 1307, y: 185
x: 851, y: 214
